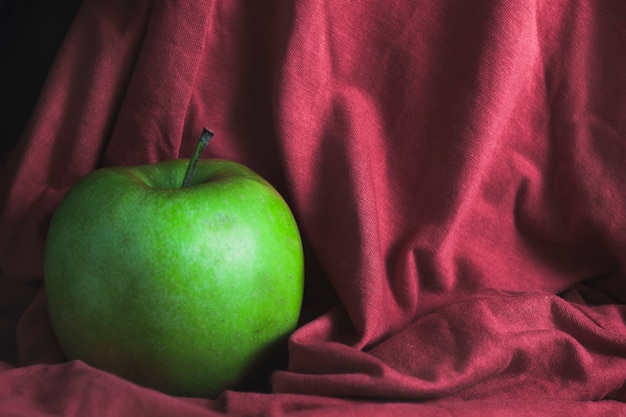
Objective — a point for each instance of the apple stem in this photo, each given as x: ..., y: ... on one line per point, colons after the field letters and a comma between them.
x: 193, y: 162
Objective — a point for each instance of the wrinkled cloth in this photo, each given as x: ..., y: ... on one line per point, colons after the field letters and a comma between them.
x: 456, y: 170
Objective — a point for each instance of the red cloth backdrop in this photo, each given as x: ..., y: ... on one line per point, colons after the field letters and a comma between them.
x: 457, y: 170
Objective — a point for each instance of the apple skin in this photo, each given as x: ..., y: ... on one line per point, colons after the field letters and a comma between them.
x: 188, y: 291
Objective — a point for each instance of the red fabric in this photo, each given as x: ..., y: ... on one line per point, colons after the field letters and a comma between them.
x: 456, y: 168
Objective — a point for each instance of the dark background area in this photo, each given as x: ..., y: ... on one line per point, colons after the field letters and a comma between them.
x: 31, y: 32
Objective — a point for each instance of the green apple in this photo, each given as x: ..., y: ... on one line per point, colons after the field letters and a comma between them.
x: 187, y: 290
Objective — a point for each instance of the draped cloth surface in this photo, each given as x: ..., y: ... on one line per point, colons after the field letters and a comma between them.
x: 456, y: 170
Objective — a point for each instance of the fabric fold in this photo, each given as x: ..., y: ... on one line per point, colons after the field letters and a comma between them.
x: 455, y: 171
